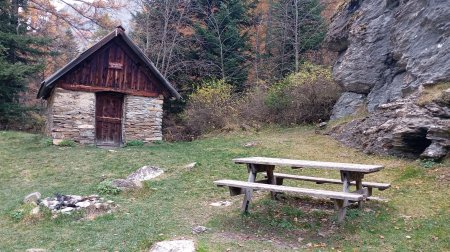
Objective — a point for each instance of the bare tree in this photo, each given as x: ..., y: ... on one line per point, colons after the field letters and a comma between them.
x: 162, y: 30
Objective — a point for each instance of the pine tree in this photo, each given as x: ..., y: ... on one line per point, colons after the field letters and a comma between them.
x: 18, y: 59
x: 223, y: 40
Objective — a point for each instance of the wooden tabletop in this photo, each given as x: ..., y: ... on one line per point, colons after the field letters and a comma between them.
x: 363, y: 168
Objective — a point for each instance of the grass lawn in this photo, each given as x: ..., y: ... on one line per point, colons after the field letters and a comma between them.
x: 416, y: 217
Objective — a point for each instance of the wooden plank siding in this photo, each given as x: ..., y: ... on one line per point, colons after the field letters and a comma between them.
x: 114, y: 67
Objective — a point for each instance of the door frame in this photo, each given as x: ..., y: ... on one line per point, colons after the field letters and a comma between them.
x: 122, y: 112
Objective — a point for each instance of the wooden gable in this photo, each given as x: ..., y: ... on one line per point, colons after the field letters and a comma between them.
x: 114, y: 64
x: 113, y: 67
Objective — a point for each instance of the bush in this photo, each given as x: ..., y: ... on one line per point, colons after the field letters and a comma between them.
x: 210, y: 107
x: 106, y: 187
x: 135, y: 143
x: 304, y: 97
x: 67, y: 143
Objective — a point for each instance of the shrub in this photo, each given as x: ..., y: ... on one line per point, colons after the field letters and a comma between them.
x: 135, y: 143
x: 67, y: 143
x: 210, y: 107
x: 304, y: 97
x: 106, y: 187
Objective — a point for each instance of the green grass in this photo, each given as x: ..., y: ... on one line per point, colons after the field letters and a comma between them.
x: 168, y: 207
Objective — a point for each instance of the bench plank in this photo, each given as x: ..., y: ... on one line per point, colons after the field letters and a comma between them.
x: 278, y: 188
x: 380, y: 186
x: 309, y: 164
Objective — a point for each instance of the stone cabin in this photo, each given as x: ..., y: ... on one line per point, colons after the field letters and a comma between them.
x: 110, y: 94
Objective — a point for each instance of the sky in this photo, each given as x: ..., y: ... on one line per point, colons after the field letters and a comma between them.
x: 124, y: 15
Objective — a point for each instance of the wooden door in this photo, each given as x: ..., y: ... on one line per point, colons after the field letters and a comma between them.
x: 108, y: 118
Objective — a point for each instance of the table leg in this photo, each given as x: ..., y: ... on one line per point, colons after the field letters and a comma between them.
x: 342, y: 204
x: 249, y: 192
x: 271, y: 180
x: 359, y: 187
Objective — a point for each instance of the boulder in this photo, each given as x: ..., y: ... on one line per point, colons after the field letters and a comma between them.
x: 199, y: 229
x: 32, y: 198
x: 145, y: 173
x: 174, y: 246
x: 126, y: 184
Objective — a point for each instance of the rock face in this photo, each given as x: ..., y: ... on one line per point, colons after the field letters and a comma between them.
x: 388, y: 48
x: 402, y: 128
x: 389, y: 52
x: 349, y: 104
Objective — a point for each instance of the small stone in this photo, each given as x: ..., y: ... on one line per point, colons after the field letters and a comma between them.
x: 408, y: 237
x: 45, y: 202
x: 199, y: 229
x: 250, y: 144
x: 67, y: 210
x: 145, y: 173
x: 221, y: 204
x: 35, y: 211
x: 83, y: 204
x: 75, y: 197
x: 36, y: 250
x: 32, y: 197
x: 174, y: 246
x: 126, y: 184
x: 190, y: 166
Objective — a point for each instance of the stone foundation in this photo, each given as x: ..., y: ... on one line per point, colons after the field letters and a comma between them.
x: 142, y: 118
x: 71, y: 115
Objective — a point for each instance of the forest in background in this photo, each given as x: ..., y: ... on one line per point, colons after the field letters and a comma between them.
x: 233, y: 61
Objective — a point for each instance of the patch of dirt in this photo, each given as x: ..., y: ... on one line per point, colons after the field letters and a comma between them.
x: 236, y: 236
x: 290, y: 222
x: 442, y: 175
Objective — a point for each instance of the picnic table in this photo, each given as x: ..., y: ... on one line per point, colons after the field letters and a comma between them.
x: 350, y: 174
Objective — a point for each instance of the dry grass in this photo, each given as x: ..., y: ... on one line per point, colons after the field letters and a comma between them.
x: 433, y: 93
x: 170, y: 206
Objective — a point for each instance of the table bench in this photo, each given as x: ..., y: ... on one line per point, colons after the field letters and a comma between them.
x: 351, y: 174
x: 236, y: 188
x: 279, y: 177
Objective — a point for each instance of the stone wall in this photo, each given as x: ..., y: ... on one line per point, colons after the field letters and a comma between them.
x: 71, y: 115
x: 142, y: 118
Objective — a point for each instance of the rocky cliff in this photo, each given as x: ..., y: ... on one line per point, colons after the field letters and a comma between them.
x: 394, y: 62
